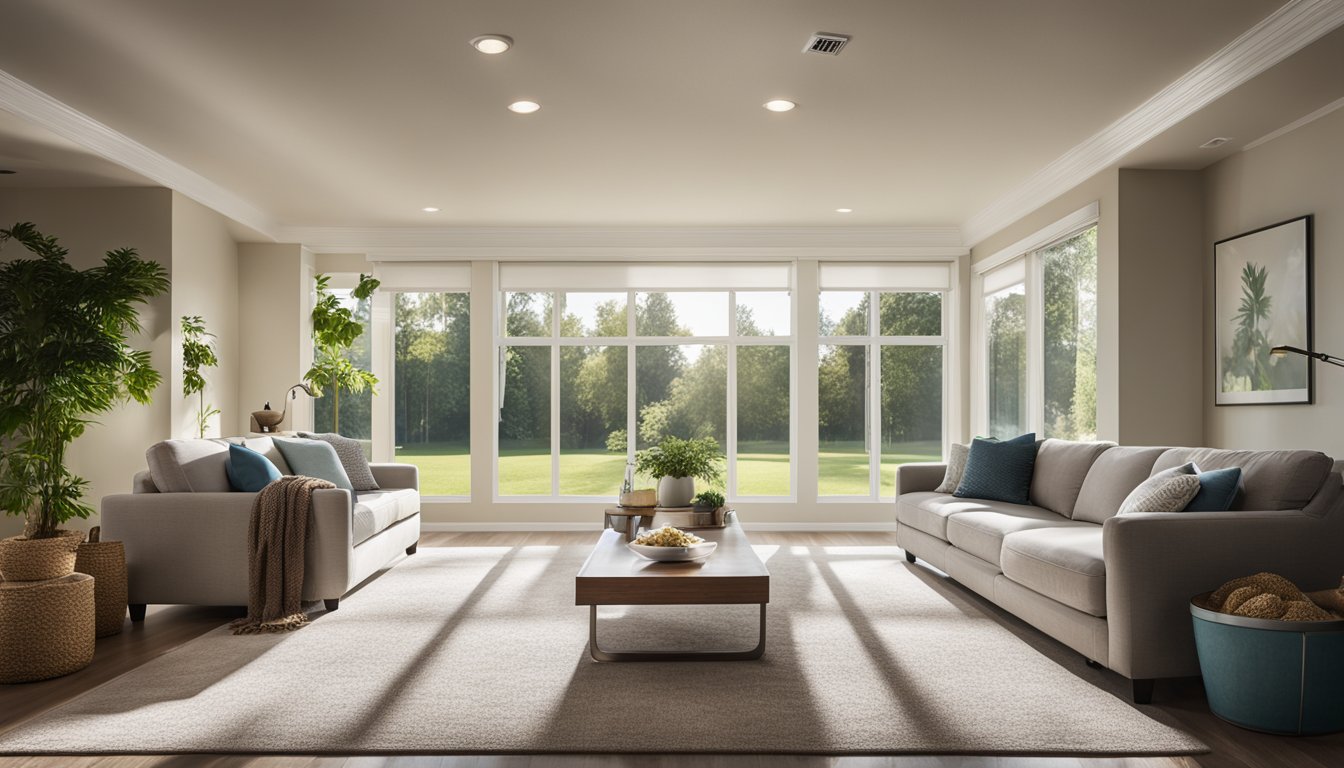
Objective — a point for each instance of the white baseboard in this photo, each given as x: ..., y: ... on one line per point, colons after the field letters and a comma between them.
x: 503, y: 527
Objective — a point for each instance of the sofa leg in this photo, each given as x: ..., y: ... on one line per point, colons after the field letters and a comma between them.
x: 137, y: 611
x: 411, y: 549
x: 1143, y: 691
x: 909, y: 556
x: 1094, y: 664
x: 332, y: 603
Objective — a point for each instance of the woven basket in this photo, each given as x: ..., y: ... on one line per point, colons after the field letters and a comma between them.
x: 25, y: 559
x: 105, y: 561
x: 46, y: 628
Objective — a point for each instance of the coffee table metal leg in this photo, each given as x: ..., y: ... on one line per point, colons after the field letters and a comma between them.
x: 599, y: 654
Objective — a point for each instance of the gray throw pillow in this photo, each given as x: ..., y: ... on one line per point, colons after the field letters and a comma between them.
x: 1166, y: 491
x: 314, y: 458
x: 956, y: 466
x: 351, y: 454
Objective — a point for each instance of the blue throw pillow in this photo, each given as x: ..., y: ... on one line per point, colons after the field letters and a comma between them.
x: 314, y: 458
x: 1217, y: 490
x: 999, y: 470
x: 249, y: 470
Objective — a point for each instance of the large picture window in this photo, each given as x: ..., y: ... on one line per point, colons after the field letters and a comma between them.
x: 881, y: 379
x: 1036, y: 341
x: 590, y: 376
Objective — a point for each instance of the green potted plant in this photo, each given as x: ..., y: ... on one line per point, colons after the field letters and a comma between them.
x: 707, y: 501
x: 197, y: 352
x: 63, y: 359
x: 335, y: 329
x: 678, y: 464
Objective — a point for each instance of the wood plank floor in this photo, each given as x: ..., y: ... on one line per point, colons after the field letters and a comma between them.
x: 1179, y: 703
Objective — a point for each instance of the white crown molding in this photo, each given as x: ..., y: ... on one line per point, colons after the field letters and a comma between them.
x: 1298, y: 123
x: 633, y: 243
x: 29, y: 103
x: 1284, y: 32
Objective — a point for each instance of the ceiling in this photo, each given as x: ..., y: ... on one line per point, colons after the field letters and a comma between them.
x: 358, y: 114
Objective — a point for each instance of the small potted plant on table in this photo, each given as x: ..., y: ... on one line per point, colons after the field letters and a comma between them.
x: 678, y: 464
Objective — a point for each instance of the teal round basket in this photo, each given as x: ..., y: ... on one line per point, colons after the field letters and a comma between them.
x: 1284, y: 677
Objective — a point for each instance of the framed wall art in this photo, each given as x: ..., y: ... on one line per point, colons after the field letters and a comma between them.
x: 1262, y: 298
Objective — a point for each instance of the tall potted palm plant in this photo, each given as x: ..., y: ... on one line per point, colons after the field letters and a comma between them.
x: 63, y: 360
x: 335, y: 329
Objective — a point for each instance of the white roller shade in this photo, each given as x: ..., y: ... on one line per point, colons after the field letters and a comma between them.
x: 1009, y: 274
x: 423, y: 276
x: 868, y: 276
x: 531, y: 276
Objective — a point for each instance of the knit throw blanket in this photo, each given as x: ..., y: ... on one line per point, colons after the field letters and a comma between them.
x: 275, y: 544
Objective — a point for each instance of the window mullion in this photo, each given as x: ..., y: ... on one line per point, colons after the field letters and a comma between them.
x: 631, y: 415
x: 555, y: 393
x: 874, y: 400
x: 730, y: 428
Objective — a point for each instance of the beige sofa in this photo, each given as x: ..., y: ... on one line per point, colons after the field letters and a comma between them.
x: 1117, y: 588
x: 185, y: 531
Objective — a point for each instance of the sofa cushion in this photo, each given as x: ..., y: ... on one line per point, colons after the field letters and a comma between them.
x: 1064, y: 564
x: 1270, y: 480
x: 1166, y: 491
x: 999, y: 470
x: 314, y: 458
x: 928, y: 512
x: 374, y: 511
x: 981, y: 533
x: 1115, y: 473
x: 189, y: 466
x: 1218, y: 489
x: 957, y: 454
x: 351, y: 454
x: 248, y: 470
x: 267, y: 447
x: 1061, y: 467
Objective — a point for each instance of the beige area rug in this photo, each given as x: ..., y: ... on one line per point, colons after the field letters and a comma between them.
x: 480, y: 650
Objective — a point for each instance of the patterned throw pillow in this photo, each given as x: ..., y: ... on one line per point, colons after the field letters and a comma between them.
x: 351, y: 454
x: 956, y: 466
x: 1167, y: 491
x: 999, y: 470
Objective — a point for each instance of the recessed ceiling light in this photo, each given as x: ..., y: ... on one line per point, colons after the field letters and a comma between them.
x: 430, y: 209
x: 524, y: 107
x: 1216, y: 141
x: 844, y: 210
x: 779, y: 105
x: 492, y: 44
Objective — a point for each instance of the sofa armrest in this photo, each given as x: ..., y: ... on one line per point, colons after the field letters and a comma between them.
x: 911, y: 478
x: 396, y: 475
x: 1156, y: 562
x: 326, y: 558
x: 182, y: 547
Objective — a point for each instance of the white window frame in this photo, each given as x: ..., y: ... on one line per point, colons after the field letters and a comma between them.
x: 1026, y: 253
x: 632, y: 341
x: 873, y: 341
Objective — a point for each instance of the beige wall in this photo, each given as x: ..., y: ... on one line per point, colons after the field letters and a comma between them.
x: 1103, y: 189
x: 273, y: 280
x: 1298, y: 173
x: 89, y: 222
x: 1161, y: 334
x: 205, y: 283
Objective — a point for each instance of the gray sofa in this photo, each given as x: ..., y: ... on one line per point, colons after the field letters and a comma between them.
x: 185, y: 531
x: 1117, y: 588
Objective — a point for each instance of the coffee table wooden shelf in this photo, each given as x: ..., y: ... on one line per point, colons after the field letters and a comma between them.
x: 733, y: 575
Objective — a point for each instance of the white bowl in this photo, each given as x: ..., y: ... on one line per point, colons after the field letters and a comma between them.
x: 674, y: 554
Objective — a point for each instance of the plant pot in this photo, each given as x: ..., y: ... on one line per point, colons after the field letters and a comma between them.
x: 1270, y: 675
x: 25, y: 559
x: 676, y: 491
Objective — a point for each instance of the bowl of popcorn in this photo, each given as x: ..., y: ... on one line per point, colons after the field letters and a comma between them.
x: 668, y: 544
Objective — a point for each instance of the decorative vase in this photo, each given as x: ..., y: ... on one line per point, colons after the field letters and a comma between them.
x: 25, y: 559
x: 676, y: 491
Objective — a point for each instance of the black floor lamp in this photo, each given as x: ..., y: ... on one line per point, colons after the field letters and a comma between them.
x: 1323, y: 357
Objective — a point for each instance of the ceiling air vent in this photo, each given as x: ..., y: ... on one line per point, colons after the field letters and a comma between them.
x: 1217, y: 141
x: 826, y: 43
